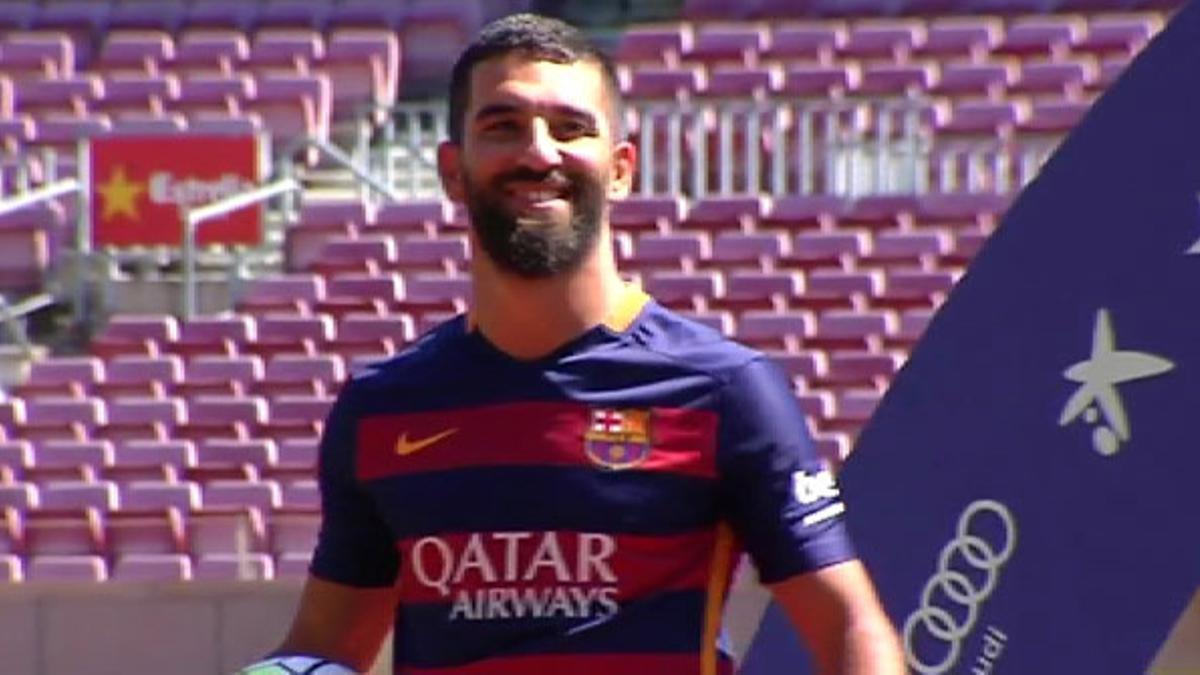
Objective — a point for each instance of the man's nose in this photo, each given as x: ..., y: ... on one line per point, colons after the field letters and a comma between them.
x: 541, y: 148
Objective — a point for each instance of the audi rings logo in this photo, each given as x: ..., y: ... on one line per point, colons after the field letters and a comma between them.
x: 966, y: 575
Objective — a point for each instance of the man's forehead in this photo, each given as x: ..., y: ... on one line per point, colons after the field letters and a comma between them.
x: 524, y: 81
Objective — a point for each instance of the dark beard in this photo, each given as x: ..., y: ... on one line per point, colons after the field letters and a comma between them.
x: 534, y: 250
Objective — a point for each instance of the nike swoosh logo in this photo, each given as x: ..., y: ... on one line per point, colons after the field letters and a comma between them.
x: 407, y: 447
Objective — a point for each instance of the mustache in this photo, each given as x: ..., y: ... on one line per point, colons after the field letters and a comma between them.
x: 554, y: 177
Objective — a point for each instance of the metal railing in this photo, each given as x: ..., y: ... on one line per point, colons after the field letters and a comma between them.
x: 847, y: 147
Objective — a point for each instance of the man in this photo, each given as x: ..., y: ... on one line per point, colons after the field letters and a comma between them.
x: 560, y: 482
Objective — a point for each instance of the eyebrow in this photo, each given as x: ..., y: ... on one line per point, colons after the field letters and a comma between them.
x: 500, y: 109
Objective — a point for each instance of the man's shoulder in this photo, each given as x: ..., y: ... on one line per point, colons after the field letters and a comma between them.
x: 424, y: 357
x: 690, y: 342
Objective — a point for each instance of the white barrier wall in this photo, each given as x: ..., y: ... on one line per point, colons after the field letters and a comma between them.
x: 118, y: 628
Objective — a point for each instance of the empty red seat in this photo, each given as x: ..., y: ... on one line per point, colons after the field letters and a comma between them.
x: 176, y: 453
x: 852, y: 329
x: 766, y: 329
x: 737, y: 44
x: 152, y: 567
x: 805, y: 42
x: 258, y: 452
x: 1046, y: 35
x: 66, y: 568
x: 158, y: 496
x: 654, y: 44
x: 966, y: 37
x: 101, y: 495
x: 64, y: 532
x: 363, y: 66
x: 264, y: 496
x: 884, y: 39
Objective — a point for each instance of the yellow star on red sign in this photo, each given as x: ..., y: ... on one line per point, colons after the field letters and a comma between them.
x: 120, y: 195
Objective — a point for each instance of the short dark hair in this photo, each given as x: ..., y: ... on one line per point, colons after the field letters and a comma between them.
x: 540, y: 38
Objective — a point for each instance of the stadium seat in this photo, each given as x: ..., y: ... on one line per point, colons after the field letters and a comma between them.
x: 66, y: 568
x: 101, y: 495
x: 258, y: 452
x: 959, y: 37
x: 64, y: 532
x: 1049, y: 36
x: 175, y: 453
x: 288, y: 50
x: 363, y: 66
x: 212, y: 93
x: 40, y: 54
x: 12, y: 568
x: 736, y: 44
x: 138, y: 51
x: 21, y: 496
x: 152, y: 567
x: 771, y: 330
x: 158, y: 496
x: 265, y: 496
x: 654, y: 45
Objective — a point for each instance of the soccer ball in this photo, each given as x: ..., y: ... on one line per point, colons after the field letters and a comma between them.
x: 297, y: 665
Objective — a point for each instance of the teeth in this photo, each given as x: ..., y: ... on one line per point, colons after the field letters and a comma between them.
x: 543, y: 196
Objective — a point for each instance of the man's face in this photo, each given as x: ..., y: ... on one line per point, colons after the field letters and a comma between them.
x: 537, y: 163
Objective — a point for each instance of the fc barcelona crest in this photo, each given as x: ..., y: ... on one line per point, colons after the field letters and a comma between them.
x: 618, y: 439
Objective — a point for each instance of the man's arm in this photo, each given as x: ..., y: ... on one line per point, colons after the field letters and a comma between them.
x: 342, y: 623
x: 836, y: 611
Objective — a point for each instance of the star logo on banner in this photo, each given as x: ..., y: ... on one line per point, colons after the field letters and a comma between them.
x: 1098, y: 378
x: 120, y: 195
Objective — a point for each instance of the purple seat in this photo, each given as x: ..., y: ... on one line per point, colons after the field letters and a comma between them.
x: 663, y: 45
x: 891, y: 39
x: 292, y: 50
x: 126, y: 92
x: 740, y: 45
x: 853, y: 326
x: 334, y: 212
x: 74, y: 94
x: 431, y: 36
x: 363, y: 66
x: 148, y: 124
x: 232, y: 566
x: 1052, y: 36
x: 432, y: 287
x: 759, y: 285
x: 251, y: 410
x: 644, y: 212
x: 294, y: 13
x: 294, y: 530
x: 318, y: 328
x: 746, y: 249
x: 892, y: 247
x: 447, y: 253
x: 835, y: 282
x: 166, y: 369
x: 682, y: 289
x: 222, y: 13
x: 86, y: 370
x: 989, y: 80
x: 366, y: 14
x: 907, y: 283
x: 101, y: 495
x: 62, y: 453
x: 377, y: 247
x: 221, y: 124
x: 37, y: 55
x: 301, y: 408
x: 164, y: 15
x: 152, y: 567
x: 213, y: 93
x: 66, y: 568
x: 304, y: 288
x: 325, y: 368
x: 964, y: 37
x: 398, y: 328
x: 725, y: 212
x: 210, y: 49
x: 298, y: 451
x: 741, y: 82
x: 142, y: 51
x: 20, y: 496
x: 64, y: 532
x: 1056, y: 117
x: 672, y: 250
x: 89, y: 412
x: 880, y: 211
x: 894, y: 79
x: 133, y: 327
x: 183, y: 496
x: 135, y: 411
x: 238, y: 328
x: 860, y: 368
x: 981, y: 118
x: 67, y: 130
x: 820, y: 81
x: 857, y: 405
x: 913, y: 323
x: 1117, y: 36
x: 651, y: 82
x: 1066, y: 79
x: 804, y: 212
x: 174, y: 453
x: 774, y: 330
x: 225, y: 531
x: 258, y: 452
x: 1110, y: 69
x: 966, y: 208
x: 263, y: 495
x: 388, y: 287
x: 293, y: 105
x: 817, y: 43
x: 17, y: 454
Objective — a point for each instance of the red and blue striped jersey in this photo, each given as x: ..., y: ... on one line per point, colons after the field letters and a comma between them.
x: 578, y: 513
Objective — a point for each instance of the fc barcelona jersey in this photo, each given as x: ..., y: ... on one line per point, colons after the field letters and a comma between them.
x: 579, y: 513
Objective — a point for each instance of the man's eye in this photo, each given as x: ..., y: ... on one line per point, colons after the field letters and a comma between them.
x: 501, y: 128
x: 573, y: 129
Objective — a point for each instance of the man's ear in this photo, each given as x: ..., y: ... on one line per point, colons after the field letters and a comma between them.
x: 624, y: 162
x: 449, y: 163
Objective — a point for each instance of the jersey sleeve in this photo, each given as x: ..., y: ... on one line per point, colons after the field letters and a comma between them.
x: 355, y: 546
x: 780, y: 497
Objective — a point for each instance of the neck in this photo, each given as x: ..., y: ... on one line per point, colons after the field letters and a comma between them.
x: 529, y: 318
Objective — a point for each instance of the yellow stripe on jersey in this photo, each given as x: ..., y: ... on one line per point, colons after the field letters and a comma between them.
x: 718, y: 585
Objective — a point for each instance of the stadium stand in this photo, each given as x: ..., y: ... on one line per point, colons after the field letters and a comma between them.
x: 183, y: 447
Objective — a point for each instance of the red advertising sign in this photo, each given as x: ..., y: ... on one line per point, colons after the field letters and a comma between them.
x: 140, y: 184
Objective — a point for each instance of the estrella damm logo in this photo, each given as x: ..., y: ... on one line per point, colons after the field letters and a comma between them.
x: 618, y: 439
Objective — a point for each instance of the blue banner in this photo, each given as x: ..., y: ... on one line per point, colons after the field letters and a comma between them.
x: 1026, y: 496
